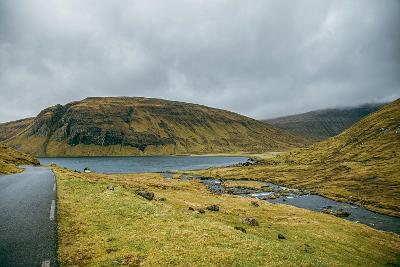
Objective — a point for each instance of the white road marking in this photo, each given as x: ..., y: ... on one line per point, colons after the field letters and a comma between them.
x: 54, y: 187
x: 46, y: 263
x: 52, y: 210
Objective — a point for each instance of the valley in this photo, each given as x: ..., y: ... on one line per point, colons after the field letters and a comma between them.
x: 283, y: 198
x: 199, y: 133
x: 360, y: 166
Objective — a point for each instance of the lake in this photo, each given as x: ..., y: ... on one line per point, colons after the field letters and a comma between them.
x: 139, y: 164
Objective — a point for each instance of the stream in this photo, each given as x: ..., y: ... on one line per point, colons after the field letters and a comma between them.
x: 302, y: 199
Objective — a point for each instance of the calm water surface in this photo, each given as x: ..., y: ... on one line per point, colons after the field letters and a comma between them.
x: 142, y: 164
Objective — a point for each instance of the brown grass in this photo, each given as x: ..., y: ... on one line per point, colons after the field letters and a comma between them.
x: 10, y: 159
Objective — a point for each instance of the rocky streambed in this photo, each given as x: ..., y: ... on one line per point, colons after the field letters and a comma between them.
x: 299, y: 198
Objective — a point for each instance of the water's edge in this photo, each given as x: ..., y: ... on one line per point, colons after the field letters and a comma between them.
x: 278, y: 194
x: 273, y: 193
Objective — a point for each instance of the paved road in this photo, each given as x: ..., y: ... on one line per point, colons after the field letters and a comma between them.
x: 27, y: 223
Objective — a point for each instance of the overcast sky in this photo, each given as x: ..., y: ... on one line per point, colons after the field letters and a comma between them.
x: 258, y: 58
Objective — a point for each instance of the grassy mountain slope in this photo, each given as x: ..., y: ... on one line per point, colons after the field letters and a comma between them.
x: 376, y: 137
x: 134, y: 126
x: 361, y: 165
x: 325, y: 123
x: 10, y: 159
x: 12, y: 128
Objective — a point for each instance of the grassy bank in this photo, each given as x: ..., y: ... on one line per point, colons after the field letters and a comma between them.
x: 10, y: 159
x: 373, y: 184
x: 102, y: 227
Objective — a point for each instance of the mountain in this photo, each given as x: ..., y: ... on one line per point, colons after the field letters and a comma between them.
x: 99, y: 126
x: 10, y: 159
x: 10, y: 129
x: 324, y: 123
x: 360, y: 165
x: 376, y: 137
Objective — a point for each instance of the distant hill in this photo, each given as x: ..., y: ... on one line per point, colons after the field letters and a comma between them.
x: 143, y: 126
x: 324, y: 123
x: 10, y: 159
x: 10, y: 129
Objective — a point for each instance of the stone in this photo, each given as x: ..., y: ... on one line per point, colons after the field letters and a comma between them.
x: 213, y: 208
x: 307, y: 248
x: 250, y: 221
x: 241, y: 229
x: 241, y: 190
x: 337, y: 213
x: 273, y: 196
x: 191, y: 208
x: 110, y: 187
x: 201, y: 211
x: 113, y: 249
x: 280, y: 236
x: 129, y: 260
x: 145, y: 194
x: 162, y: 199
x: 255, y: 204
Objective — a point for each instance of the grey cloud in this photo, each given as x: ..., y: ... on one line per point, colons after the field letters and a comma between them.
x: 259, y: 58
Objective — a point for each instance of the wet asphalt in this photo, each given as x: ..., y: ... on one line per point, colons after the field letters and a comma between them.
x: 27, y: 228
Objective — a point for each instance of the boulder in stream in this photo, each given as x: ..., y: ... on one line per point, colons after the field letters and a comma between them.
x: 337, y: 213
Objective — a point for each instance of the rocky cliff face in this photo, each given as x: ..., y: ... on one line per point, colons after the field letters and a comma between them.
x: 322, y: 124
x: 134, y: 126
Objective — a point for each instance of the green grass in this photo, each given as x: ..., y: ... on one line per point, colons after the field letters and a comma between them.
x: 361, y: 165
x: 97, y: 227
